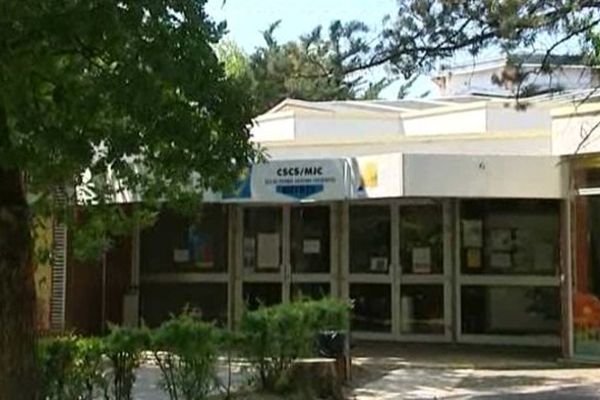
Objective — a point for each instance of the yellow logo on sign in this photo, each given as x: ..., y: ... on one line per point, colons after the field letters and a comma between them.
x: 368, y: 174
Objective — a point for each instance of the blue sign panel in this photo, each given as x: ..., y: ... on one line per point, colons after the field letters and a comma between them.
x: 299, y: 191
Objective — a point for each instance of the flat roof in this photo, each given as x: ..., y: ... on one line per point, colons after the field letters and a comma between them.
x: 416, y: 105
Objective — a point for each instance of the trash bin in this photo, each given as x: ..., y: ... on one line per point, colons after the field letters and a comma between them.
x: 335, y: 344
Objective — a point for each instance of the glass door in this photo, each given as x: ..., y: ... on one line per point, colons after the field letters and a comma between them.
x: 399, y: 265
x: 585, y: 277
x: 185, y: 264
x: 263, y: 257
x: 312, y: 261
x: 286, y: 254
x: 422, y: 282
x: 508, y: 285
x: 370, y: 268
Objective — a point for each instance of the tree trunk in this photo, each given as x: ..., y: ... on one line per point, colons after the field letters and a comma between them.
x: 18, y: 372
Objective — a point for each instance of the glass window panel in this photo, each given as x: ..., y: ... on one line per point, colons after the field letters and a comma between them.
x: 262, y: 238
x: 587, y: 177
x: 161, y: 300
x: 176, y: 243
x: 422, y: 309
x: 372, y: 307
x: 510, y: 310
x: 314, y: 291
x: 258, y: 294
x: 369, y: 238
x: 586, y: 278
x: 422, y: 239
x: 310, y: 238
x: 510, y: 237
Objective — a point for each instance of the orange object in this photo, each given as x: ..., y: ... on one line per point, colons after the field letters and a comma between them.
x: 586, y: 311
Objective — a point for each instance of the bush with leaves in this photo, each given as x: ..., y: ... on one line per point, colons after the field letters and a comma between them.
x: 57, y: 358
x: 230, y: 344
x: 275, y: 337
x: 92, y: 367
x: 124, y: 347
x: 327, y: 314
x: 71, y: 368
x: 186, y: 351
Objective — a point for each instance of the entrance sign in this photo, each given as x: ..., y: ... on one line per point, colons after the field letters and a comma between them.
x: 294, y: 181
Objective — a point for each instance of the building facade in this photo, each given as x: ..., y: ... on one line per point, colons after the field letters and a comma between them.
x: 460, y: 236
x: 459, y: 219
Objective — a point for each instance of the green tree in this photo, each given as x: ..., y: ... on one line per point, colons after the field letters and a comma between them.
x: 423, y: 32
x: 314, y: 67
x: 235, y: 62
x: 132, y: 87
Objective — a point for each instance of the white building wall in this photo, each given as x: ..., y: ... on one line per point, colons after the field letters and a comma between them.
x: 507, y: 118
x: 466, y: 82
x: 565, y: 78
x: 427, y: 175
x: 279, y: 127
x: 457, y: 122
x: 333, y: 129
x: 524, y: 145
x: 576, y: 134
x: 477, y: 80
x: 375, y: 130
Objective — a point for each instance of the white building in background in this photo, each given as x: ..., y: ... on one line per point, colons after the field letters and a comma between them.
x: 567, y: 73
x: 456, y: 219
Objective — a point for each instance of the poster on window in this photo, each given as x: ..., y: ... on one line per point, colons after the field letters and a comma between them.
x: 472, y: 230
x: 181, y: 256
x: 268, y: 251
x: 473, y: 258
x: 200, y: 248
x: 421, y: 260
x: 311, y: 246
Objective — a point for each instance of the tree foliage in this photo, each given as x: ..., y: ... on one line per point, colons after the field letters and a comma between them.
x: 313, y: 67
x: 104, y: 95
x: 122, y: 86
x: 422, y: 32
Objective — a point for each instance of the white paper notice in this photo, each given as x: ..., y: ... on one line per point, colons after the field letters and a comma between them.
x: 311, y: 246
x: 472, y: 233
x: 421, y: 260
x: 181, y: 255
x: 268, y: 251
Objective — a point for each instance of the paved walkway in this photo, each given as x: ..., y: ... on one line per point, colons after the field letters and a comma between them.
x: 442, y: 372
x: 147, y: 385
x: 449, y: 372
x: 423, y: 383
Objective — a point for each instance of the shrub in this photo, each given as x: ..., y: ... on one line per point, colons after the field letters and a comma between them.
x: 56, y: 357
x: 185, y: 349
x: 123, y: 347
x: 327, y: 314
x: 71, y: 368
x: 230, y: 344
x: 275, y: 337
x: 92, y: 368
